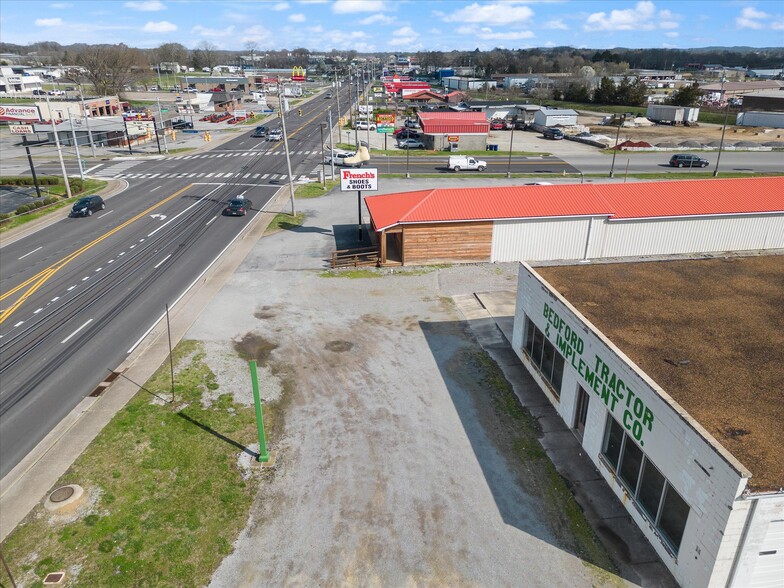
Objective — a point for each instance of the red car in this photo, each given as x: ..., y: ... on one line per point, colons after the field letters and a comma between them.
x: 497, y: 125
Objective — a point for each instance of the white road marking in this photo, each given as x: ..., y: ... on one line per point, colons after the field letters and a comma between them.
x: 209, y: 221
x: 30, y: 253
x: 37, y: 311
x: 55, y: 299
x: 76, y: 331
x: 156, y: 187
x: 110, y: 261
x: 132, y: 246
x: 121, y: 254
x: 74, y: 286
x: 199, y: 201
x: 161, y: 261
x: 85, y: 278
x: 98, y: 269
x: 19, y: 324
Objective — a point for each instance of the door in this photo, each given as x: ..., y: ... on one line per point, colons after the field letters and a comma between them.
x: 581, y: 414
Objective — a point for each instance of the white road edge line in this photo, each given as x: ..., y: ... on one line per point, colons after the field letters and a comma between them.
x: 76, y: 331
x: 210, y: 221
x: 161, y: 261
x: 30, y: 253
x: 108, y: 212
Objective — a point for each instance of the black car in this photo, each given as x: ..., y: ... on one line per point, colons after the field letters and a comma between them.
x: 686, y: 160
x: 87, y: 205
x: 238, y: 206
x: 182, y: 124
x: 260, y: 132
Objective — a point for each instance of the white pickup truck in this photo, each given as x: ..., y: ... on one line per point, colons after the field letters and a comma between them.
x: 458, y: 162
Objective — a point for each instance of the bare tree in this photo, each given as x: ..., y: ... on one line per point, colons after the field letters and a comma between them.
x: 110, y: 68
x: 171, y: 53
x: 208, y: 53
x: 251, y: 47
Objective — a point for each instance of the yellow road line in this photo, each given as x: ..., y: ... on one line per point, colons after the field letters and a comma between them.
x: 41, y: 277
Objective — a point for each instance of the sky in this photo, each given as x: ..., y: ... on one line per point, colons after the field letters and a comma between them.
x: 397, y: 26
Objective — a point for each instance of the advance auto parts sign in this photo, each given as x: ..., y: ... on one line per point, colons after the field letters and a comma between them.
x: 599, y: 377
x: 19, y: 113
x: 363, y: 180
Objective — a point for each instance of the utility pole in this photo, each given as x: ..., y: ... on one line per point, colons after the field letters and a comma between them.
x: 163, y: 129
x: 76, y: 146
x: 331, y: 147
x: 288, y: 157
x: 86, y: 118
x: 59, y: 150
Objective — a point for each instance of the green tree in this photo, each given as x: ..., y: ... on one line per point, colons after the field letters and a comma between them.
x: 577, y: 92
x: 686, y: 96
x: 606, y: 92
x: 630, y: 92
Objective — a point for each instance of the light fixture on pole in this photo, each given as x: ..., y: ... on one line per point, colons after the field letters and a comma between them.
x: 615, y: 148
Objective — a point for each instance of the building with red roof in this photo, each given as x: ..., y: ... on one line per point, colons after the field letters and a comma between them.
x: 468, y: 130
x: 578, y: 221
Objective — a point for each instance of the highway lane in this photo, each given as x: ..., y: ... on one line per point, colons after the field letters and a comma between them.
x: 79, y: 295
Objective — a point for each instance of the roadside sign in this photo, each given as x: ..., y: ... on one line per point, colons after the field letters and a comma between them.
x: 360, y: 179
x: 164, y: 110
x: 453, y: 139
x: 21, y: 129
x: 385, y: 123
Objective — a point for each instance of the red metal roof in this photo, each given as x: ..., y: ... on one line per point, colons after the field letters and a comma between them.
x: 454, y: 122
x: 616, y: 201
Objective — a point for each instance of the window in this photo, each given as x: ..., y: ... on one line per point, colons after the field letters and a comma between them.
x: 652, y: 493
x: 544, y: 356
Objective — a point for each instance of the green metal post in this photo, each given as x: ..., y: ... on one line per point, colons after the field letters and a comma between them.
x: 263, y: 455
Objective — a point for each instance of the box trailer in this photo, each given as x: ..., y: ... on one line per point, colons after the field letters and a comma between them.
x: 674, y: 115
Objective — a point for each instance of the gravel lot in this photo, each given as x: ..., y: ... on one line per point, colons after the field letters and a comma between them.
x: 388, y: 473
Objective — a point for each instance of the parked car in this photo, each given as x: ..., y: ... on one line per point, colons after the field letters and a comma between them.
x: 363, y: 125
x: 192, y: 90
x: 340, y: 158
x: 411, y: 124
x: 497, y: 125
x: 553, y: 133
x: 238, y: 206
x: 153, y: 88
x: 87, y: 205
x: 686, y: 160
x: 538, y: 184
x: 328, y: 95
x: 260, y: 132
x: 408, y: 134
x: 275, y: 135
x: 520, y: 125
x: 410, y: 144
x: 39, y: 92
x: 182, y: 124
x: 56, y: 92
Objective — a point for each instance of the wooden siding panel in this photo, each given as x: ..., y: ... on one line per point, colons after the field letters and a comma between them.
x: 447, y: 242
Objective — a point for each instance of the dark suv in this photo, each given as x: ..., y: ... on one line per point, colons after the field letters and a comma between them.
x: 87, y: 205
x: 686, y: 160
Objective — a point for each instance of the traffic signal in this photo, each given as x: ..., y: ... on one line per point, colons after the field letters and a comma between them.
x: 299, y: 111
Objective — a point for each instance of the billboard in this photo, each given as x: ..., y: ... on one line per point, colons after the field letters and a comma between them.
x: 362, y: 179
x: 19, y: 113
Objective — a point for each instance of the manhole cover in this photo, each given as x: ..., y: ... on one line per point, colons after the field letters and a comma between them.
x: 339, y: 346
x: 62, y: 494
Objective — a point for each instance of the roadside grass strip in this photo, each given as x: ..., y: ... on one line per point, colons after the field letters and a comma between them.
x: 166, y: 497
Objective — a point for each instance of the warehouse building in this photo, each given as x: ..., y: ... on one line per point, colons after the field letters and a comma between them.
x: 578, y: 222
x: 670, y: 374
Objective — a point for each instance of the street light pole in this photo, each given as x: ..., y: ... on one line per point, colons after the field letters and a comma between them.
x: 163, y: 129
x: 331, y: 147
x: 59, y: 150
x: 615, y: 148
x: 86, y: 119
x: 323, y: 169
x: 721, y: 143
x: 511, y: 144
x: 288, y: 157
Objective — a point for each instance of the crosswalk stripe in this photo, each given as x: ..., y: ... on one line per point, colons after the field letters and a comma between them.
x: 256, y: 176
x: 265, y: 176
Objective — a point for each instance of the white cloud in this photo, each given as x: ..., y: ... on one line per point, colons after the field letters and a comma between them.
x: 349, y: 6
x: 750, y: 17
x: 376, y: 18
x: 491, y: 13
x: 488, y: 35
x: 299, y: 17
x: 48, y: 22
x: 672, y: 34
x: 280, y: 6
x: 558, y: 24
x: 60, y: 5
x: 643, y: 17
x: 146, y: 5
x: 222, y: 34
x: 159, y: 27
x: 405, y: 32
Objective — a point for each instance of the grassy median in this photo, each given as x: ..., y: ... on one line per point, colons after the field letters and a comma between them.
x: 166, y: 497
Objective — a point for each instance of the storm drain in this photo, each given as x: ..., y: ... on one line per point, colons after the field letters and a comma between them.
x: 54, y: 578
x: 99, y: 389
x: 62, y: 494
x: 65, y: 499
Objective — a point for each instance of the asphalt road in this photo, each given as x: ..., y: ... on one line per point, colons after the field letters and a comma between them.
x: 78, y: 297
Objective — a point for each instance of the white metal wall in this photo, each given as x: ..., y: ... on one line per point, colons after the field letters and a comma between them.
x: 688, y: 235
x: 565, y: 238
x: 540, y: 239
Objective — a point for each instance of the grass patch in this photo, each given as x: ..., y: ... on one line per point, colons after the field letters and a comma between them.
x: 181, y: 150
x: 518, y: 432
x: 285, y: 222
x: 352, y: 274
x: 89, y: 187
x: 167, y: 497
x: 314, y: 189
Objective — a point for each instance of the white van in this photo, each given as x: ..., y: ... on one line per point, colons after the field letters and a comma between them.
x: 458, y: 162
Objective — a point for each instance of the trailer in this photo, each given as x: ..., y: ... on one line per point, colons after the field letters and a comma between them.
x: 673, y: 115
x: 751, y: 118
